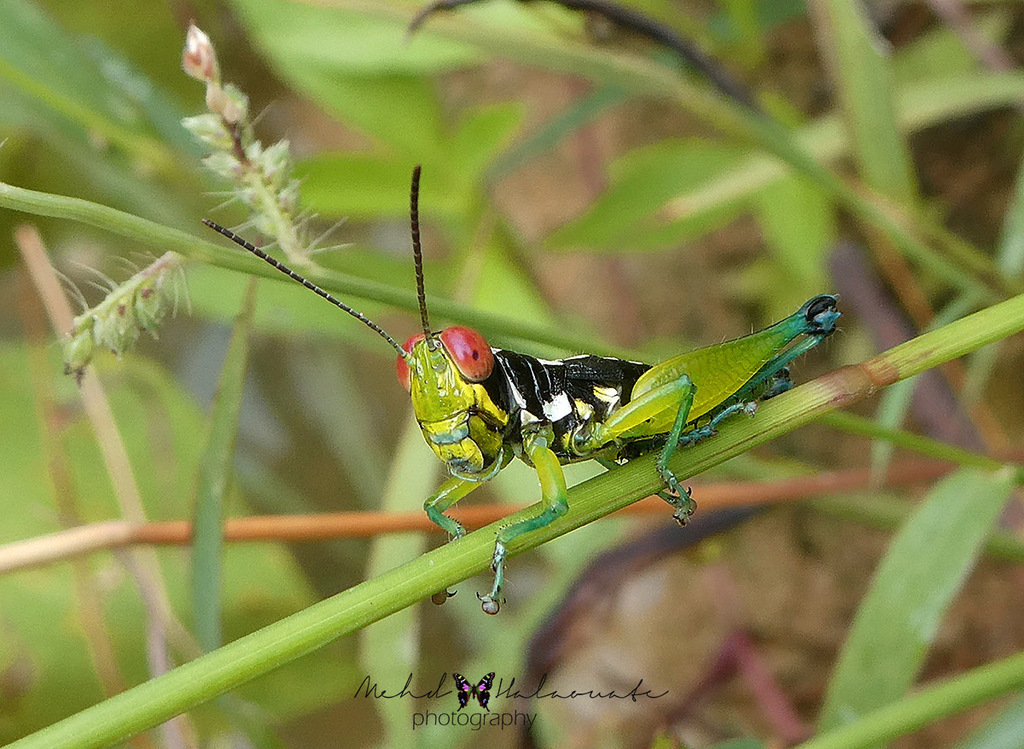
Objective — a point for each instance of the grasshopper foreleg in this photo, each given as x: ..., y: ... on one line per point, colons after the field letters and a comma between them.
x: 553, y: 490
x: 451, y: 491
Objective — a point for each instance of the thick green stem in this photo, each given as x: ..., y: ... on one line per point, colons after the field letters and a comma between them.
x: 911, y: 713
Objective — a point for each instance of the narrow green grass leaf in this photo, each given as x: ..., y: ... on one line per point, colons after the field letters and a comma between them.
x: 1004, y: 731
x: 390, y: 648
x: 858, y: 62
x: 924, y: 567
x: 919, y: 105
x: 890, y: 512
x: 1010, y: 259
x: 42, y: 61
x: 799, y: 226
x: 550, y: 134
x: 948, y: 698
x: 504, y: 329
x: 215, y: 470
x: 300, y: 36
x: 642, y: 181
x: 941, y: 51
x: 893, y: 406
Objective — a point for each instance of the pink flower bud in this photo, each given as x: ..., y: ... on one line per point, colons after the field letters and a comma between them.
x: 199, y: 60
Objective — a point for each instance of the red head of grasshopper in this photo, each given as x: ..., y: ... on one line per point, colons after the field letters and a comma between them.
x: 442, y: 372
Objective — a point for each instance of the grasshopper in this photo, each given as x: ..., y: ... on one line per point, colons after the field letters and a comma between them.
x: 480, y: 407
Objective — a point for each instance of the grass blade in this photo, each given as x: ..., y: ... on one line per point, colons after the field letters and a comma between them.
x: 860, y: 69
x: 953, y: 696
x: 505, y: 329
x: 1002, y: 732
x: 215, y: 470
x: 923, y: 569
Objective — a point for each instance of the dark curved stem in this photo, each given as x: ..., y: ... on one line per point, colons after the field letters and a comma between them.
x: 630, y: 20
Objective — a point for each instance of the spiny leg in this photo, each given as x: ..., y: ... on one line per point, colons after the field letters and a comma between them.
x: 680, y: 497
x: 629, y: 422
x: 610, y: 464
x: 773, y: 377
x: 553, y: 491
x: 451, y: 491
x: 711, y: 428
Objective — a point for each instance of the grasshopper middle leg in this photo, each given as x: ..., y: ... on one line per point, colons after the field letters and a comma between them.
x: 629, y: 422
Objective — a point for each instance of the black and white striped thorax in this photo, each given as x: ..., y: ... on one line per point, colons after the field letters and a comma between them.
x: 566, y: 393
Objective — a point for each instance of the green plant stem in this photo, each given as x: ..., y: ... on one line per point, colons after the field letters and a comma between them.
x: 852, y: 424
x: 345, y: 286
x: 214, y: 480
x: 238, y: 662
x: 890, y: 512
x: 953, y: 696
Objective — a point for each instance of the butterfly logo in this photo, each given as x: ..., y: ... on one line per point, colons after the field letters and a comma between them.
x: 482, y: 690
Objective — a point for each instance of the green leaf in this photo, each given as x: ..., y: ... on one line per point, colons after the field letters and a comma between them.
x: 368, y: 186
x: 1001, y: 732
x: 799, y: 225
x: 371, y: 185
x: 919, y: 106
x: 859, y: 65
x: 483, y: 132
x: 38, y: 59
x: 640, y: 183
x: 298, y: 36
x: 576, y: 114
x: 941, y: 51
x: 215, y: 478
x: 927, y: 706
x: 924, y: 567
x: 79, y: 103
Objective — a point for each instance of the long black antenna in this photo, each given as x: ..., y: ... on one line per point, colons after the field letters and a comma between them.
x: 308, y: 284
x: 417, y: 251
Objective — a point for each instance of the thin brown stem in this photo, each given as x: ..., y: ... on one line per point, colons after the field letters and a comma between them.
x: 115, y: 534
x: 87, y: 594
x: 108, y: 436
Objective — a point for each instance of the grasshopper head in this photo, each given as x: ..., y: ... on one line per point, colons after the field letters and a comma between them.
x: 442, y: 372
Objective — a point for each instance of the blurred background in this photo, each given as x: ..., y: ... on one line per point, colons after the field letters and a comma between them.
x: 597, y: 195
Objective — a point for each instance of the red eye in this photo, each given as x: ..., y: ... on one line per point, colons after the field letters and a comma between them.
x: 469, y: 351
x: 401, y: 368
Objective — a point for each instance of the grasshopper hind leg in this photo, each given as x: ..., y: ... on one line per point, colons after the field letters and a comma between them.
x: 677, y: 496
